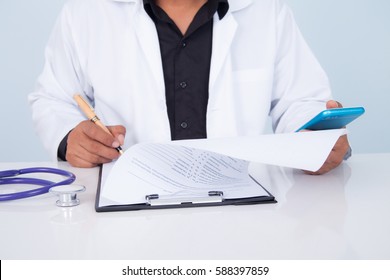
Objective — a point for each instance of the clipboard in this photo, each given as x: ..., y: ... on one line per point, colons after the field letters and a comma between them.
x: 147, y: 172
x: 155, y: 201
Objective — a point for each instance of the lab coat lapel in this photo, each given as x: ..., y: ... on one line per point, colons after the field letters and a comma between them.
x: 148, y: 39
x: 222, y: 113
x: 223, y: 34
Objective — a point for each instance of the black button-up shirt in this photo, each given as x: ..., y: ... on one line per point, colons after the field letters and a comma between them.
x: 186, y: 66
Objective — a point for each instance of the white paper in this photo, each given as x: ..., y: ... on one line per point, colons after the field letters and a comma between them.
x: 304, y: 150
x: 176, y: 171
x: 195, y: 167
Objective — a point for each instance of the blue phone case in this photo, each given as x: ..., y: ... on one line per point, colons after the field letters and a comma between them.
x: 333, y: 118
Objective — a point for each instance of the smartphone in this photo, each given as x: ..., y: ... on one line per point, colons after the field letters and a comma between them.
x: 333, y: 118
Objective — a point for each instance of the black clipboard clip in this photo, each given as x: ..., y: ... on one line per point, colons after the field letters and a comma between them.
x: 157, y: 200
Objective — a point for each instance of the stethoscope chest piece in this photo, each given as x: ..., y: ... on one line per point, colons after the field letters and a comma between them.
x: 67, y: 195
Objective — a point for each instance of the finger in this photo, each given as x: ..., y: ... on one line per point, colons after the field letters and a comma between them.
x: 331, y: 104
x: 77, y: 161
x: 325, y: 168
x: 96, y: 133
x: 78, y: 155
x: 335, y: 157
x: 96, y: 152
x: 82, y: 158
x: 342, y: 145
x: 118, y: 132
x: 81, y: 146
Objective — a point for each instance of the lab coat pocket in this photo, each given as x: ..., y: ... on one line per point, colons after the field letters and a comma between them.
x: 252, y: 94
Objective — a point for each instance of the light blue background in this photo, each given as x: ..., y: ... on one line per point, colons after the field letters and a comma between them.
x: 351, y: 39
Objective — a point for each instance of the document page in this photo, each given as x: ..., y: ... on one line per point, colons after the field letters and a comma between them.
x: 169, y: 170
x: 195, y: 167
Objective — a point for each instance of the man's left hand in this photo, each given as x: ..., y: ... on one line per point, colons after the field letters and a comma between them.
x: 339, y: 150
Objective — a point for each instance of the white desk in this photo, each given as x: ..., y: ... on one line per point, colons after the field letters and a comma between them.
x: 341, y: 215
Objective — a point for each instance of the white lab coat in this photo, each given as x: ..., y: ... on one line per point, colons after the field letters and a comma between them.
x: 108, y: 50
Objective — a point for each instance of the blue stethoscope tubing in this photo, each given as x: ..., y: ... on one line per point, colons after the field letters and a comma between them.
x: 8, y: 177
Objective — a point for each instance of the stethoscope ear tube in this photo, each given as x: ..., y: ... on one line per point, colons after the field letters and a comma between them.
x: 7, y: 177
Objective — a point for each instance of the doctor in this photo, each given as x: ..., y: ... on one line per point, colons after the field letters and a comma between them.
x: 157, y: 70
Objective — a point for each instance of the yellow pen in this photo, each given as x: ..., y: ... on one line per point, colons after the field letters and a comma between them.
x: 90, y: 114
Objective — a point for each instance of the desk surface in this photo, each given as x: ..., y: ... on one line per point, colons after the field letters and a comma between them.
x: 341, y: 215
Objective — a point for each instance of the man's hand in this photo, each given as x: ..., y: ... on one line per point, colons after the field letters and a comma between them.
x: 88, y: 145
x: 339, y: 150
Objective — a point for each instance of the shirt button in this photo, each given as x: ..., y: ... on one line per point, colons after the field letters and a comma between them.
x: 184, y: 125
x: 183, y: 44
x: 183, y: 84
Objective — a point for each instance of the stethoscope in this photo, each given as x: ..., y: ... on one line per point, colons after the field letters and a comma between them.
x: 67, y: 196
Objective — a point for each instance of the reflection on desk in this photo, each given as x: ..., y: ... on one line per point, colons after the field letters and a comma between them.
x: 344, y: 214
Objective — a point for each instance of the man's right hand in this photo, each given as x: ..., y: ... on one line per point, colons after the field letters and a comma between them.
x: 88, y: 145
